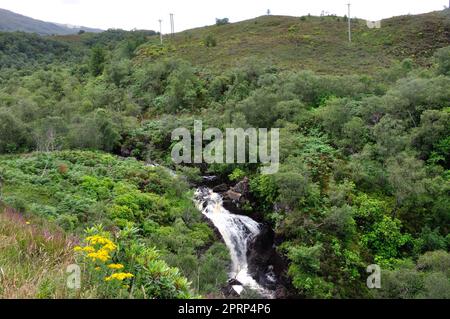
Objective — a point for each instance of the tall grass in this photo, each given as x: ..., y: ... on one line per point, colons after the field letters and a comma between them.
x: 33, y: 258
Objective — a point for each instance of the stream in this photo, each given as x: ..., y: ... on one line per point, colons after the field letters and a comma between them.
x: 237, y: 232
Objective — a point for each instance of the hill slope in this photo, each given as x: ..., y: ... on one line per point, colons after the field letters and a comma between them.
x: 319, y: 44
x: 316, y: 43
x: 10, y: 21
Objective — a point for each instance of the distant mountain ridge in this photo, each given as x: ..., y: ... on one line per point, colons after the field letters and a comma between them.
x: 10, y: 22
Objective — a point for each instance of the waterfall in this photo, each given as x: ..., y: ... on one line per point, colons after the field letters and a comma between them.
x: 237, y: 231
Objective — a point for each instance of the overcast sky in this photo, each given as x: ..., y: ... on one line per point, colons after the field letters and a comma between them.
x: 144, y: 14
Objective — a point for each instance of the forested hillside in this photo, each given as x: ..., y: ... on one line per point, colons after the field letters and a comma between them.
x: 364, y: 176
x: 10, y: 21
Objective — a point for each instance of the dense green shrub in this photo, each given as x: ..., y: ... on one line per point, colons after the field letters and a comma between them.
x: 442, y: 57
x: 222, y: 21
x: 210, y: 41
x: 14, y: 134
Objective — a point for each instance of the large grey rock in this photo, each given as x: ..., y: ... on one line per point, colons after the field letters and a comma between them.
x: 220, y: 188
x: 234, y: 196
x: 242, y: 187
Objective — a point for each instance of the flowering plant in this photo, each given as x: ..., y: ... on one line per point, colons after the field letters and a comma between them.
x: 98, y: 253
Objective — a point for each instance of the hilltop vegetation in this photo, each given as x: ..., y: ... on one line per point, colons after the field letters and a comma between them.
x: 315, y: 43
x: 364, y: 176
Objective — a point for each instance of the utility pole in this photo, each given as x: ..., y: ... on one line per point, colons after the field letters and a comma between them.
x: 172, y: 25
x: 349, y: 24
x: 160, y: 31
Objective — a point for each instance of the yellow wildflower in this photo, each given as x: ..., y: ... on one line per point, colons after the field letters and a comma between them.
x: 97, y: 239
x: 101, y: 255
x: 94, y: 239
x: 119, y: 276
x: 89, y: 249
x: 116, y: 266
x: 78, y: 248
x: 110, y: 247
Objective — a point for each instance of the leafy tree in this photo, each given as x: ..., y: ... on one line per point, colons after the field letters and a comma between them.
x: 386, y: 240
x: 432, y: 240
x: 14, y: 135
x: 259, y: 108
x: 265, y: 189
x: 406, y: 175
x: 303, y: 271
x: 118, y: 71
x: 340, y: 222
x: 97, y: 60
x: 355, y: 135
x: 428, y: 279
x: 390, y: 136
x: 96, y: 131
x: 222, y: 21
x: 433, y: 129
x: 295, y: 187
x: 183, y: 91
x: 442, y: 57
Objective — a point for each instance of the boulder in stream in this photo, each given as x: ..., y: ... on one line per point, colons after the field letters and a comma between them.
x: 222, y: 188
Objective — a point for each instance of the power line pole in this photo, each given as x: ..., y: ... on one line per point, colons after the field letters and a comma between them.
x: 160, y: 31
x: 349, y: 24
x: 172, y: 25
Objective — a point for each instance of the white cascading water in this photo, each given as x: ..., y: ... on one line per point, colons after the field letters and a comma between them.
x: 237, y: 231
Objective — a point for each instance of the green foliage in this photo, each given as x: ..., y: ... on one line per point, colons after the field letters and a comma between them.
x: 118, y: 72
x: 128, y: 267
x: 123, y: 195
x: 386, y: 240
x: 307, y: 258
x: 210, y: 41
x: 14, y: 135
x: 428, y: 279
x: 432, y: 240
x: 237, y: 175
x: 183, y: 91
x: 97, y: 62
x: 406, y: 176
x: 96, y: 131
x: 21, y: 50
x: 355, y: 135
x: 264, y: 188
x: 340, y: 222
x: 222, y: 21
x: 303, y: 270
x: 370, y: 210
x: 432, y: 133
x: 442, y: 57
